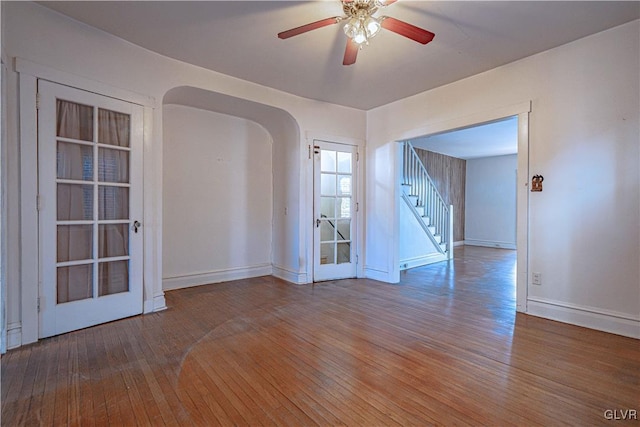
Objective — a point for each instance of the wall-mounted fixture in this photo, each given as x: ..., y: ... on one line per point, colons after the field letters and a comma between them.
x: 536, y: 183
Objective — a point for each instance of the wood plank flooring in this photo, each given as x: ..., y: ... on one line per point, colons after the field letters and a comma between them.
x: 444, y: 346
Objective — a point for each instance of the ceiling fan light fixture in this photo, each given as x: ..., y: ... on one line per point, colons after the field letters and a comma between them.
x: 372, y: 25
x: 360, y: 37
x: 362, y: 28
x: 352, y: 27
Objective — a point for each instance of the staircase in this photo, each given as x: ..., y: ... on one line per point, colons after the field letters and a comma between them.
x: 425, y: 202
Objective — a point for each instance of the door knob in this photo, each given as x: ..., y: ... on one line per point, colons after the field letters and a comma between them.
x: 317, y: 223
x: 136, y: 225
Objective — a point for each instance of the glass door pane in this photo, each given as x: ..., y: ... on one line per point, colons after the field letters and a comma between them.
x: 92, y: 244
x: 74, y: 201
x: 75, y: 283
x: 113, y: 202
x: 74, y: 121
x: 114, y: 277
x: 334, y: 183
x: 335, y: 203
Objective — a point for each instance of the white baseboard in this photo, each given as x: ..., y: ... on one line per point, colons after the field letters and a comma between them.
x: 490, y: 244
x: 589, y: 317
x: 458, y: 243
x: 154, y: 304
x: 423, y: 260
x: 159, y: 302
x: 290, y: 275
x: 217, y: 276
x: 379, y: 275
x: 14, y: 335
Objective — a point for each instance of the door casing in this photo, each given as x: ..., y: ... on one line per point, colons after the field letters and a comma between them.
x: 307, y: 195
x: 339, y: 271
x: 27, y: 329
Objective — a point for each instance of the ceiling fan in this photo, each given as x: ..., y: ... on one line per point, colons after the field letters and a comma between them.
x: 361, y: 26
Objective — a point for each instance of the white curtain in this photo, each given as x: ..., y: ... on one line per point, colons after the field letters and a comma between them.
x: 75, y: 201
x: 113, y: 128
x: 113, y: 239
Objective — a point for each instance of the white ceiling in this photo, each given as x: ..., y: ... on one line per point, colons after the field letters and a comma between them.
x: 492, y: 139
x: 238, y: 38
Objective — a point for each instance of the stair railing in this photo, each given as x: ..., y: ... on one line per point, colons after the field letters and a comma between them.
x: 438, y: 212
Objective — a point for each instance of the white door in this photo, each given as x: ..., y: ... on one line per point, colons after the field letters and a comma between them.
x: 90, y: 208
x: 334, y: 255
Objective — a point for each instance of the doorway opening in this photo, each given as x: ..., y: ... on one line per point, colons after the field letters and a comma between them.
x: 481, y: 169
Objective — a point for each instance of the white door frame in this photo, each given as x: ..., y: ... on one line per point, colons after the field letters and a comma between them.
x: 29, y: 73
x: 522, y: 111
x: 308, y: 215
x: 3, y: 204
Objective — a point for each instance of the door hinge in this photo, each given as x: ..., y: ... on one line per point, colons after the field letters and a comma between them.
x: 38, y: 304
x: 357, y: 207
x: 309, y: 151
x: 38, y: 202
x: 357, y: 259
x: 357, y: 156
x: 37, y: 100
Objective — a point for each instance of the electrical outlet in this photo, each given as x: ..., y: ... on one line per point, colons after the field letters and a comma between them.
x: 537, y: 278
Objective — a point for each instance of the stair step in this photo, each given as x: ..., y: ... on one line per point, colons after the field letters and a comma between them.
x: 438, y: 238
x: 420, y: 210
x: 432, y: 229
x: 443, y: 246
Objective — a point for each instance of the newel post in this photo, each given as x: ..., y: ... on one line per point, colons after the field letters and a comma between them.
x: 450, y: 237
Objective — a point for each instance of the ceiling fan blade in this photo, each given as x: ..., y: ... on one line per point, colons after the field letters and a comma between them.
x: 407, y: 30
x: 309, y: 27
x: 351, y: 52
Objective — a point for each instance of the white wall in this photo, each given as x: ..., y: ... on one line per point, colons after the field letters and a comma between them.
x: 583, y: 138
x: 416, y: 248
x: 285, y: 135
x: 42, y: 36
x: 490, y: 202
x: 217, y: 198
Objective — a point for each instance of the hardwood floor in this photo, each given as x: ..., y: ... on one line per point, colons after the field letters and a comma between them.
x: 444, y: 346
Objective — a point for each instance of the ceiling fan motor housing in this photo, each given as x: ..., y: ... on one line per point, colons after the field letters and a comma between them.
x: 359, y: 8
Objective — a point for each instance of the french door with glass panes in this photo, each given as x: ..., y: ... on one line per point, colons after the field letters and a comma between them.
x: 90, y: 207
x: 335, y: 207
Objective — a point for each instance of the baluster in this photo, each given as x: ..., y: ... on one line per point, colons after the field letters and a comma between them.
x: 413, y: 173
x: 421, y: 190
x: 432, y: 202
x: 405, y: 164
x: 408, y: 168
